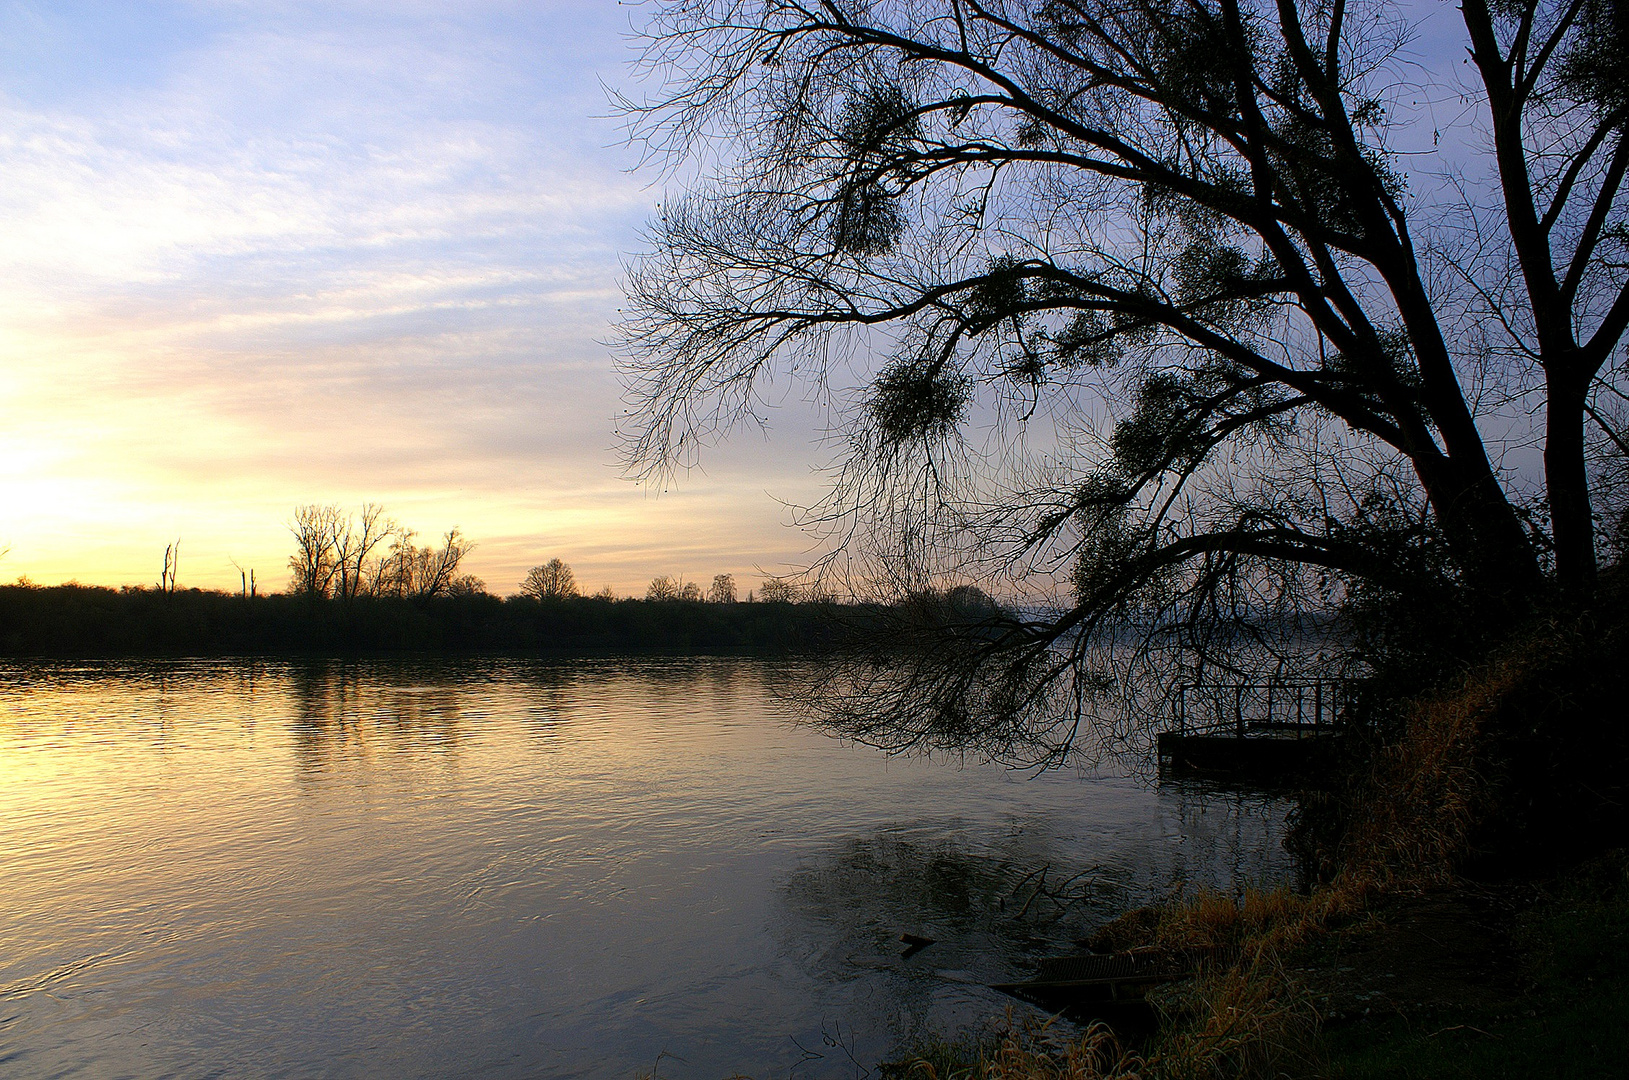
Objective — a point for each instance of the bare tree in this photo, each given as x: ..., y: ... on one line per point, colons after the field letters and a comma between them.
x: 334, y: 551
x: 466, y: 585
x: 1237, y: 358
x: 777, y: 590
x: 354, y: 542
x: 314, y: 563
x: 246, y: 578
x: 723, y: 590
x: 172, y: 559
x: 421, y: 572
x: 665, y: 587
x: 438, y: 567
x: 551, y: 581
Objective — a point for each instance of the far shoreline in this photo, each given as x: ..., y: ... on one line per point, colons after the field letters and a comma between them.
x: 95, y: 622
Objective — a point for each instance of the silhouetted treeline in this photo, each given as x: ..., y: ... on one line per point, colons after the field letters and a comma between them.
x: 79, y: 620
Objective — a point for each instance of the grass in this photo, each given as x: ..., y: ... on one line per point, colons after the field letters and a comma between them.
x: 1573, y: 1021
x: 1025, y: 1049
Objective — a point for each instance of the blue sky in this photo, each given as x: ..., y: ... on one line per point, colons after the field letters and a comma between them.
x: 262, y: 254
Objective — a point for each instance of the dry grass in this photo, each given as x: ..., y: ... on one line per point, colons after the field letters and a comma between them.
x: 1425, y: 793
x: 1033, y: 1050
x: 1242, y: 1015
x: 1254, y: 926
x: 1241, y: 1020
x: 1237, y: 1021
x: 1420, y: 801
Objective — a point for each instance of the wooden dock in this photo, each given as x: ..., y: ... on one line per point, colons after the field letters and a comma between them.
x: 1273, y: 731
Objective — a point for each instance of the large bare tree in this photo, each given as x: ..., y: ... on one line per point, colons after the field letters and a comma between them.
x: 1155, y: 310
x: 551, y: 581
x: 334, y: 551
x: 422, y: 572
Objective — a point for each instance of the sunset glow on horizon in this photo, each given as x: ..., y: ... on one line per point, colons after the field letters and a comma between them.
x: 259, y: 256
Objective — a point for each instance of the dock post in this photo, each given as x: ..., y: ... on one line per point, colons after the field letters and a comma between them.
x: 1318, y: 702
x: 1238, y: 710
x: 1182, y: 710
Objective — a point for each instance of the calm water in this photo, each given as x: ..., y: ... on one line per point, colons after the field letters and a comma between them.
x: 582, y: 868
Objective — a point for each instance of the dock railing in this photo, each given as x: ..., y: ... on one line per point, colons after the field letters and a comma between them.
x: 1298, y: 707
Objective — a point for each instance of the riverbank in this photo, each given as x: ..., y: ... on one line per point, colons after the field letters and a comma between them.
x: 1471, y: 916
x: 1466, y: 981
x: 1521, y: 982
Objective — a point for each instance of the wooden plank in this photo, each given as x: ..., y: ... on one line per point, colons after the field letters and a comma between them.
x: 1111, y: 987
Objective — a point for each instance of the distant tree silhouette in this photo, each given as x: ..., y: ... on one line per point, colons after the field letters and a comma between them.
x: 334, y: 551
x: 664, y: 587
x: 467, y: 585
x: 172, y: 559
x: 247, y: 580
x: 723, y: 590
x: 551, y: 581
x: 422, y: 572
x: 668, y: 587
x: 778, y: 591
x: 354, y: 545
x: 312, y: 564
x: 85, y: 621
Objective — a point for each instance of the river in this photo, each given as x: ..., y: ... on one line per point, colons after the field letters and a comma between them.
x: 563, y: 868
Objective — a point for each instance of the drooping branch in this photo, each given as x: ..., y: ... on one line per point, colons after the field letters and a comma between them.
x: 1128, y: 303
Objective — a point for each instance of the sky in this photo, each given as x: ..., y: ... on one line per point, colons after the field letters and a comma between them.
x: 264, y: 254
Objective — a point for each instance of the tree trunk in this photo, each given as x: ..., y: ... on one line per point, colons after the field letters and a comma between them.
x: 1484, y: 535
x: 1567, y: 483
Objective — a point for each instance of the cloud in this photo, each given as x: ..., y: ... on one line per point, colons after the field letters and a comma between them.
x: 277, y: 253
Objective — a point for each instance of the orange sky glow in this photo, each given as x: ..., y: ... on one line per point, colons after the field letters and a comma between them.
x: 263, y: 255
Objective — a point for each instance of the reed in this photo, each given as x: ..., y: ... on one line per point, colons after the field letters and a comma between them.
x: 1245, y: 1019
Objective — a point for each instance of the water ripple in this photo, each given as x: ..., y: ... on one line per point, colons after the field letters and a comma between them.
x: 511, y: 867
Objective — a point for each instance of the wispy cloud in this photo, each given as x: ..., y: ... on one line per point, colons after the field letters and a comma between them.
x: 258, y: 254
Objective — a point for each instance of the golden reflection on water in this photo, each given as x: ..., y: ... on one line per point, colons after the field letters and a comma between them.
x: 342, y: 714
x: 419, y: 869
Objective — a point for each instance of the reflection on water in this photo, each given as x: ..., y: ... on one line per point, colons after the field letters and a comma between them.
x: 555, y: 869
x: 983, y: 910
x: 347, y: 710
x: 855, y: 901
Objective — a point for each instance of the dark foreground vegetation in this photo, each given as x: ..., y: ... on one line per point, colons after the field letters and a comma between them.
x: 1467, y: 913
x: 1426, y: 983
x: 79, y: 620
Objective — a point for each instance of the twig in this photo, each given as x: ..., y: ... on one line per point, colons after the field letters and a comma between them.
x: 1040, y: 885
x: 1463, y: 1027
